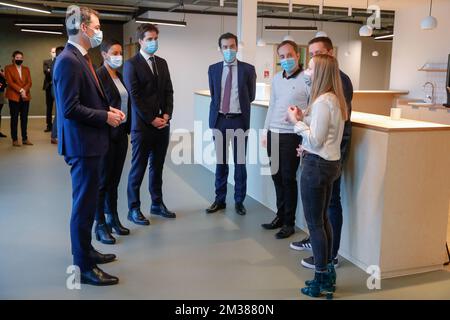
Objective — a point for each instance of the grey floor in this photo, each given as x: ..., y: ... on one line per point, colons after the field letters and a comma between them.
x: 221, y: 256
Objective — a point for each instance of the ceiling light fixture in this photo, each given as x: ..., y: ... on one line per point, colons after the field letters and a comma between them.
x: 19, y: 24
x: 27, y: 7
x: 41, y: 31
x: 430, y: 22
x: 384, y: 37
x: 365, y: 30
x: 172, y: 23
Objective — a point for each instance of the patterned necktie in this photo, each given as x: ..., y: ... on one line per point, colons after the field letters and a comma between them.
x: 227, y: 91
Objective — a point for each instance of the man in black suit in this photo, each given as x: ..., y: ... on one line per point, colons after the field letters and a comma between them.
x: 47, y: 87
x: 147, y: 79
x: 84, y: 120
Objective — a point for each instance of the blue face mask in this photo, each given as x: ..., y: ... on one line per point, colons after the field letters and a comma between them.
x: 229, y: 55
x: 96, y: 39
x: 289, y: 64
x: 151, y: 46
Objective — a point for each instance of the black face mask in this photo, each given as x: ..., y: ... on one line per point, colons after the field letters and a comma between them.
x: 18, y: 62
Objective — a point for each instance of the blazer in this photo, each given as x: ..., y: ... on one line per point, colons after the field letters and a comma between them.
x: 15, y: 83
x: 246, y: 87
x: 82, y: 107
x: 113, y: 96
x: 150, y: 96
x: 47, y: 74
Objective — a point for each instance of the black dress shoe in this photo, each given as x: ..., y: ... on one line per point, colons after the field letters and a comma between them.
x: 113, y: 223
x: 216, y: 206
x: 48, y: 129
x: 161, y: 210
x: 275, y: 224
x: 285, y: 232
x: 103, y: 234
x: 2, y: 135
x: 240, y: 209
x: 97, y: 277
x: 100, y: 258
x: 136, y: 216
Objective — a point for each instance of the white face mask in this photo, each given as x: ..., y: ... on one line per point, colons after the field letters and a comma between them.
x: 115, y: 62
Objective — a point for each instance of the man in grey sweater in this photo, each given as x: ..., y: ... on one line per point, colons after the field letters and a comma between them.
x: 288, y: 89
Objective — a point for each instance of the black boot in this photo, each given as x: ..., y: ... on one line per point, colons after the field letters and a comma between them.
x: 103, y: 235
x: 113, y: 223
x: 321, y: 285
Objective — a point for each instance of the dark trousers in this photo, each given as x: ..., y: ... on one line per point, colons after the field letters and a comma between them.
x: 17, y: 109
x: 317, y: 179
x: 49, y: 102
x: 335, y: 208
x: 54, y: 134
x: 111, y: 168
x: 1, y: 107
x: 85, y: 172
x: 148, y: 148
x: 238, y: 140
x: 284, y: 166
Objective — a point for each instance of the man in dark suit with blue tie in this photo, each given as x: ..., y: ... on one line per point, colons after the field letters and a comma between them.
x: 232, y: 84
x: 84, y: 119
x: 148, y: 82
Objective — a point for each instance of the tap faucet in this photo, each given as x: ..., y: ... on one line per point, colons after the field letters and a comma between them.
x: 432, y: 98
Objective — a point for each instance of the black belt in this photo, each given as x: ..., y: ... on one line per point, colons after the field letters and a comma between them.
x: 230, y: 115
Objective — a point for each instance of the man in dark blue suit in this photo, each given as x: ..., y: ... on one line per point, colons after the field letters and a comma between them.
x: 84, y: 117
x: 232, y: 84
x: 147, y: 79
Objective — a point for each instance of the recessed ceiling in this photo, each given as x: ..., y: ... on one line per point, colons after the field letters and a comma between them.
x: 125, y: 10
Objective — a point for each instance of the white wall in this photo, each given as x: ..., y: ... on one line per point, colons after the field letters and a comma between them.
x: 375, y: 71
x: 413, y: 47
x: 189, y: 51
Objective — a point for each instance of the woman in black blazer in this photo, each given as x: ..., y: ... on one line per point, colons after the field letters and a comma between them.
x: 107, y: 217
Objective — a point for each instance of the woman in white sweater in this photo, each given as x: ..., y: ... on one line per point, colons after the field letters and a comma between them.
x: 321, y: 126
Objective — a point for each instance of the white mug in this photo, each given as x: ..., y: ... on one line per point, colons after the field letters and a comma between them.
x: 396, y: 113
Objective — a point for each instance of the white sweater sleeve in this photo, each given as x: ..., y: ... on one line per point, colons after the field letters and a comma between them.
x: 316, y: 133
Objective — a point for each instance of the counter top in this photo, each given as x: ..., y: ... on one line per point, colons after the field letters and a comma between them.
x: 386, y: 124
x: 394, y: 92
x: 374, y: 121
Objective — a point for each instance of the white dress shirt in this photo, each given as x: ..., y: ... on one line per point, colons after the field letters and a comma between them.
x: 79, y: 47
x: 235, y: 106
x: 322, y: 128
x: 147, y: 58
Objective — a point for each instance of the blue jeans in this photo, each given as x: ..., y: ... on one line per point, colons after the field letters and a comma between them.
x: 335, y: 208
x: 317, y: 179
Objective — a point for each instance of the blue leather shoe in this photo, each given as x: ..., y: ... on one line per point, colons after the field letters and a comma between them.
x: 161, y: 210
x: 136, y: 216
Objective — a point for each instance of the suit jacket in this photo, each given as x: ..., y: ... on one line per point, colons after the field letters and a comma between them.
x: 113, y: 96
x: 47, y: 74
x: 150, y: 96
x: 246, y: 87
x: 82, y: 108
x: 15, y: 83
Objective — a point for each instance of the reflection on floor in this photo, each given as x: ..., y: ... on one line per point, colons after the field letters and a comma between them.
x: 219, y: 256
